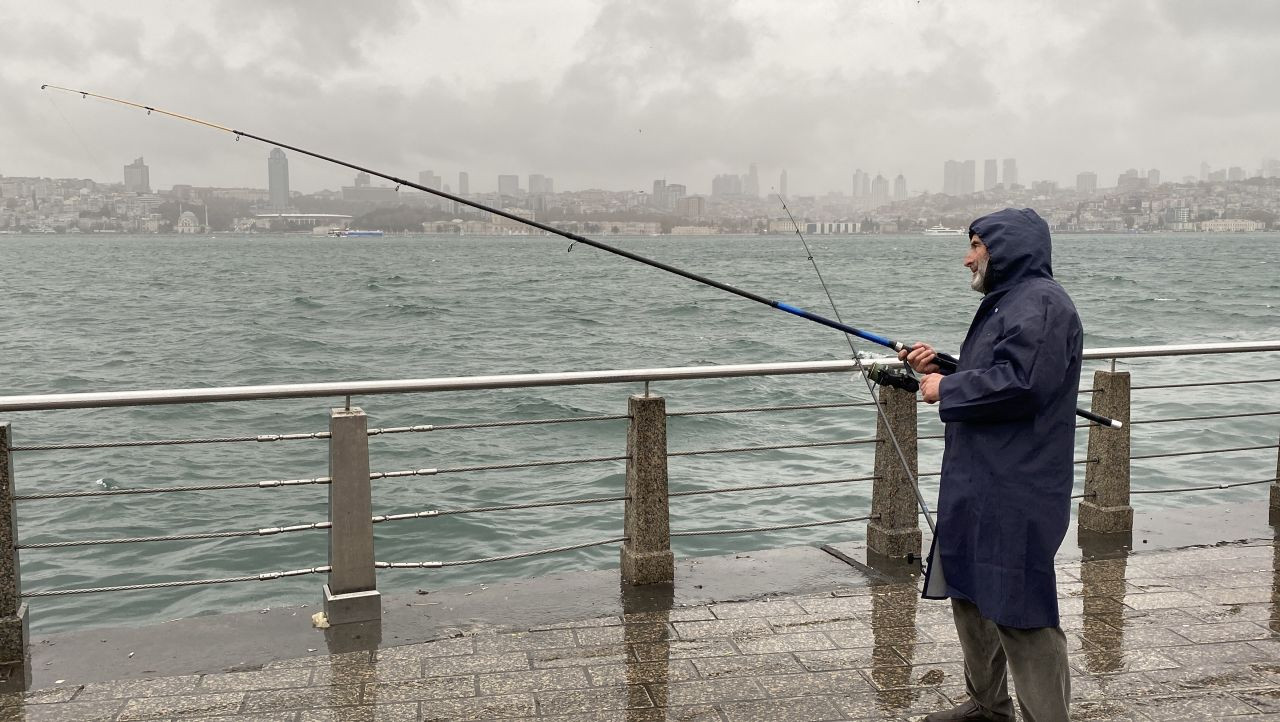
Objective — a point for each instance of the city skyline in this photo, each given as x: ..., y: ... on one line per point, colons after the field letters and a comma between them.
x: 615, y: 94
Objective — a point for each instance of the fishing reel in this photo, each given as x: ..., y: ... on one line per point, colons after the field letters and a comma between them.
x: 897, y: 378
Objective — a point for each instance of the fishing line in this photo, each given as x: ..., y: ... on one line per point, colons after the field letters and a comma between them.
x: 83, y: 146
x: 862, y: 371
x: 942, y: 359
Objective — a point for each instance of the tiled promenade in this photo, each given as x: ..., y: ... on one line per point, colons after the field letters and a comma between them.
x: 1186, y: 634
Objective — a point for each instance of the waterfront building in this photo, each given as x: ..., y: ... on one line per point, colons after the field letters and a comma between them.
x: 137, y: 177
x: 1087, y: 183
x: 278, y: 179
x: 989, y: 174
x: 1231, y: 225
x: 1010, y: 173
x: 188, y: 223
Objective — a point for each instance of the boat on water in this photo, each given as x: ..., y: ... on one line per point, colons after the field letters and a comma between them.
x: 940, y: 230
x: 353, y: 233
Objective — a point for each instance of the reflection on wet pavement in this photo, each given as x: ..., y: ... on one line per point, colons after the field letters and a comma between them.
x: 1186, y: 634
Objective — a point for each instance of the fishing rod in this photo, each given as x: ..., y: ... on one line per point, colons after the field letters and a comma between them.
x: 576, y: 238
x: 871, y: 378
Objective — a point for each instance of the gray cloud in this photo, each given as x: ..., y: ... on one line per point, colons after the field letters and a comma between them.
x: 613, y: 93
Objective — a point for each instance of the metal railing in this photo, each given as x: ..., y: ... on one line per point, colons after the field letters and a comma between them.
x: 351, y: 593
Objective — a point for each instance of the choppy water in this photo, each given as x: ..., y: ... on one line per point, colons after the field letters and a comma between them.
x: 95, y: 313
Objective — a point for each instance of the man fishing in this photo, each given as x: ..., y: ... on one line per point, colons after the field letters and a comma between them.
x: 1004, y: 497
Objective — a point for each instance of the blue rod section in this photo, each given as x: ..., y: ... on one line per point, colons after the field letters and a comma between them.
x: 866, y: 335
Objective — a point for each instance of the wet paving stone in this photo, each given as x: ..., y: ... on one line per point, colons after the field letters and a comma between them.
x: 191, y: 705
x: 588, y: 700
x: 665, y: 671
x: 65, y: 712
x: 804, y: 709
x: 532, y: 681
x: 746, y: 665
x: 306, y: 698
x: 1149, y: 638
x: 479, y: 708
x: 364, y: 713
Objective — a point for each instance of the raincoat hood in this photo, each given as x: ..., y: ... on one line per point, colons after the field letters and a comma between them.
x: 1018, y: 245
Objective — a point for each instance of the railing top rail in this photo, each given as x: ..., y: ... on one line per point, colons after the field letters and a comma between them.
x: 45, y: 402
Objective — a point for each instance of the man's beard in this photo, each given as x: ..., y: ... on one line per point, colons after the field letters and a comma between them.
x: 979, y: 280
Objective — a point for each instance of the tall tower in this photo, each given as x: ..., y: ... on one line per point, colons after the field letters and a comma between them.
x: 879, y: 191
x: 137, y: 177
x: 989, y: 174
x: 968, y: 177
x: 751, y: 182
x: 951, y: 178
x: 900, y: 188
x: 1010, y: 173
x: 464, y: 183
x: 278, y: 179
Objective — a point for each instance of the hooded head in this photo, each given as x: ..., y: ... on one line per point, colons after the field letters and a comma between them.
x: 1017, y: 244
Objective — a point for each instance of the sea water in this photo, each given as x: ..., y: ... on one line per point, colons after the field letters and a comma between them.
x: 115, y: 313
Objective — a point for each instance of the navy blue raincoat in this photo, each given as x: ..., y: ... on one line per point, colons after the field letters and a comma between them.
x: 1004, y: 497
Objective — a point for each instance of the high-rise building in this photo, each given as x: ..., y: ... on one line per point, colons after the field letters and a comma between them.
x: 429, y: 179
x: 879, y: 191
x: 675, y: 193
x: 1153, y: 177
x: 782, y: 182
x: 968, y: 178
x: 659, y: 197
x: 726, y: 184
x: 1204, y: 171
x: 1087, y: 183
x: 751, y: 182
x: 464, y: 183
x: 1235, y: 173
x: 900, y: 188
x: 509, y: 185
x: 1270, y: 168
x: 137, y: 177
x: 278, y: 179
x: 539, y: 184
x: 1010, y: 173
x: 951, y: 177
x: 362, y: 180
x: 989, y: 174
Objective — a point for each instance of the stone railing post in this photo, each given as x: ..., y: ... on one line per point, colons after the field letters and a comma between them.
x: 1274, y: 516
x: 894, y: 530
x: 1105, y: 507
x: 13, y: 612
x: 646, y: 555
x: 352, y: 592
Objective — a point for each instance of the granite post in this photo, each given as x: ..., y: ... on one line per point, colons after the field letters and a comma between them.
x: 1105, y: 507
x: 646, y: 555
x: 352, y: 592
x: 14, y: 631
x: 894, y: 530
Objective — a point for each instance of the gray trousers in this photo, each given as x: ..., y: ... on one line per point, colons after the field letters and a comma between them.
x: 1036, y: 657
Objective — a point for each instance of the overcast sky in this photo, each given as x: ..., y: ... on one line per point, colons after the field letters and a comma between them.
x: 615, y: 93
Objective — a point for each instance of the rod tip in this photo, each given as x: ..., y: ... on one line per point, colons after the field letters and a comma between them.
x: 43, y: 86
x: 1116, y: 424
